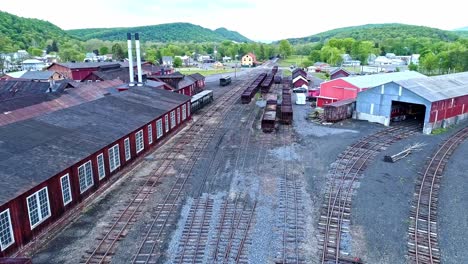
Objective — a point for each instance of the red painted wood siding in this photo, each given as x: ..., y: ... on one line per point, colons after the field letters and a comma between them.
x: 338, y: 89
x: 300, y: 82
x: 448, y: 108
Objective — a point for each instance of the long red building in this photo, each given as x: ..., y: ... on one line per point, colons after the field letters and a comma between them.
x: 50, y: 163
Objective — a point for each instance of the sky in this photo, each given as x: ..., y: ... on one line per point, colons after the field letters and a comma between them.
x: 260, y: 20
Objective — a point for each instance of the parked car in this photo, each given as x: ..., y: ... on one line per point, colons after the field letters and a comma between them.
x: 300, y: 90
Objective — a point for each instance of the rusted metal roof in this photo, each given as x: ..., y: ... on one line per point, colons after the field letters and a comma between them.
x: 68, y: 98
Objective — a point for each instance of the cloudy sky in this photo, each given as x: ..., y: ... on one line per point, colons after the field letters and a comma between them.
x: 256, y: 19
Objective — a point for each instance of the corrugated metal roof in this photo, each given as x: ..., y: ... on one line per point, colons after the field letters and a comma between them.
x: 438, y: 87
x: 84, y: 65
x: 368, y: 81
x: 37, y: 75
x: 33, y: 150
x: 24, y: 108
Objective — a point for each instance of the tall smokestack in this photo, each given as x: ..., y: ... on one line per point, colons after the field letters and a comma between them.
x: 138, y: 58
x: 130, y: 59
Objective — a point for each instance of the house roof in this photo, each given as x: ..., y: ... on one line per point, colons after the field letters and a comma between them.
x: 299, y: 77
x: 197, y: 76
x: 438, y: 87
x: 16, y: 74
x: 368, y: 81
x: 339, y: 69
x: 299, y: 73
x: 186, y: 81
x: 254, y: 58
x: 34, y: 150
x: 84, y: 65
x: 31, y: 61
x: 37, y: 75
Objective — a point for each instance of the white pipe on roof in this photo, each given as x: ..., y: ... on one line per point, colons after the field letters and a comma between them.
x: 138, y: 59
x: 130, y: 59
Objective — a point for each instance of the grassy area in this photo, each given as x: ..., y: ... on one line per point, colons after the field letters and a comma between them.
x: 203, y: 72
x: 292, y: 60
x: 440, y: 130
x: 287, y: 73
x: 320, y: 75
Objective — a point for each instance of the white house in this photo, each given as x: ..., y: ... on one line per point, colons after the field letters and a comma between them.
x: 382, y: 60
x: 167, y: 61
x: 32, y: 65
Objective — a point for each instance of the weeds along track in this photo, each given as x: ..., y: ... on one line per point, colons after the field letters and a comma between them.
x: 422, y: 234
x: 336, y: 211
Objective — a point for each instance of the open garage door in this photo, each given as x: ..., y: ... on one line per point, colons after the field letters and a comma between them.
x: 407, y: 112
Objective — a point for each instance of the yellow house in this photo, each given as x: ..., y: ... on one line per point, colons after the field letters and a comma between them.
x: 249, y: 60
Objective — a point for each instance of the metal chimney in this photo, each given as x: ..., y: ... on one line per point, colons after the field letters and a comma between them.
x: 130, y: 60
x: 138, y: 58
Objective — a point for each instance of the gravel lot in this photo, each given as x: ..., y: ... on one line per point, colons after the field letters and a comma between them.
x: 380, y: 207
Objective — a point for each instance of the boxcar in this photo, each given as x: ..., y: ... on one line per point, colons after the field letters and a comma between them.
x: 286, y: 114
x: 201, y: 99
x: 339, y: 110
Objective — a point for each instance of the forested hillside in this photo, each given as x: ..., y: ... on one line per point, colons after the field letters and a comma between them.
x: 380, y: 32
x: 23, y: 33
x: 232, y: 35
x: 172, y: 32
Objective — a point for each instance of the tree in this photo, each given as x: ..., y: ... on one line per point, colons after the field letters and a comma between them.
x: 103, y: 50
x: 70, y: 54
x: 54, y: 46
x: 412, y: 67
x: 285, y: 48
x: 429, y: 62
x: 118, y: 52
x: 151, y: 55
x: 314, y: 56
x: 177, y: 62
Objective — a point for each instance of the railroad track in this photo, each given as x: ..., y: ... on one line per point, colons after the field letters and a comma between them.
x: 194, y: 240
x: 290, y: 210
x: 197, y: 132
x: 423, y: 239
x: 150, y: 249
x: 336, y: 211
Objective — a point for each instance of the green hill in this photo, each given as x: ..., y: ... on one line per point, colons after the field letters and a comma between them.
x: 171, y: 32
x: 380, y: 32
x: 21, y: 33
x: 232, y: 35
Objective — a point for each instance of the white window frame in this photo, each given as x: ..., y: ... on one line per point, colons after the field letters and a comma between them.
x: 114, y: 157
x: 173, y: 121
x: 64, y: 192
x: 150, y: 134
x: 178, y: 115
x: 159, y: 128
x: 8, y: 229
x: 101, y: 166
x: 188, y: 109
x: 128, y: 154
x: 184, y: 112
x: 139, y: 142
x: 166, y: 122
x: 41, y: 217
x: 86, y: 178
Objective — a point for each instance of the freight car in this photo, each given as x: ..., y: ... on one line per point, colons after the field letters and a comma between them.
x: 266, y: 84
x: 252, y: 89
x: 275, y: 69
x: 339, y: 110
x: 286, y: 114
x: 271, y: 99
x: 201, y: 99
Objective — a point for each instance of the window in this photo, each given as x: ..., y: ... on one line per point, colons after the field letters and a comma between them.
x: 188, y: 109
x: 6, y: 230
x: 114, y: 157
x: 159, y: 128
x: 150, y: 134
x: 178, y: 115
x: 166, y: 122
x: 184, y: 112
x: 85, y: 176
x: 66, y: 191
x: 139, y: 141
x: 38, y: 207
x: 173, y: 119
x: 101, y: 168
x: 128, y: 155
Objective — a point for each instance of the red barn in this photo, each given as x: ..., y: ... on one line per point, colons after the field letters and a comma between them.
x: 51, y: 163
x: 180, y: 83
x: 349, y: 87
